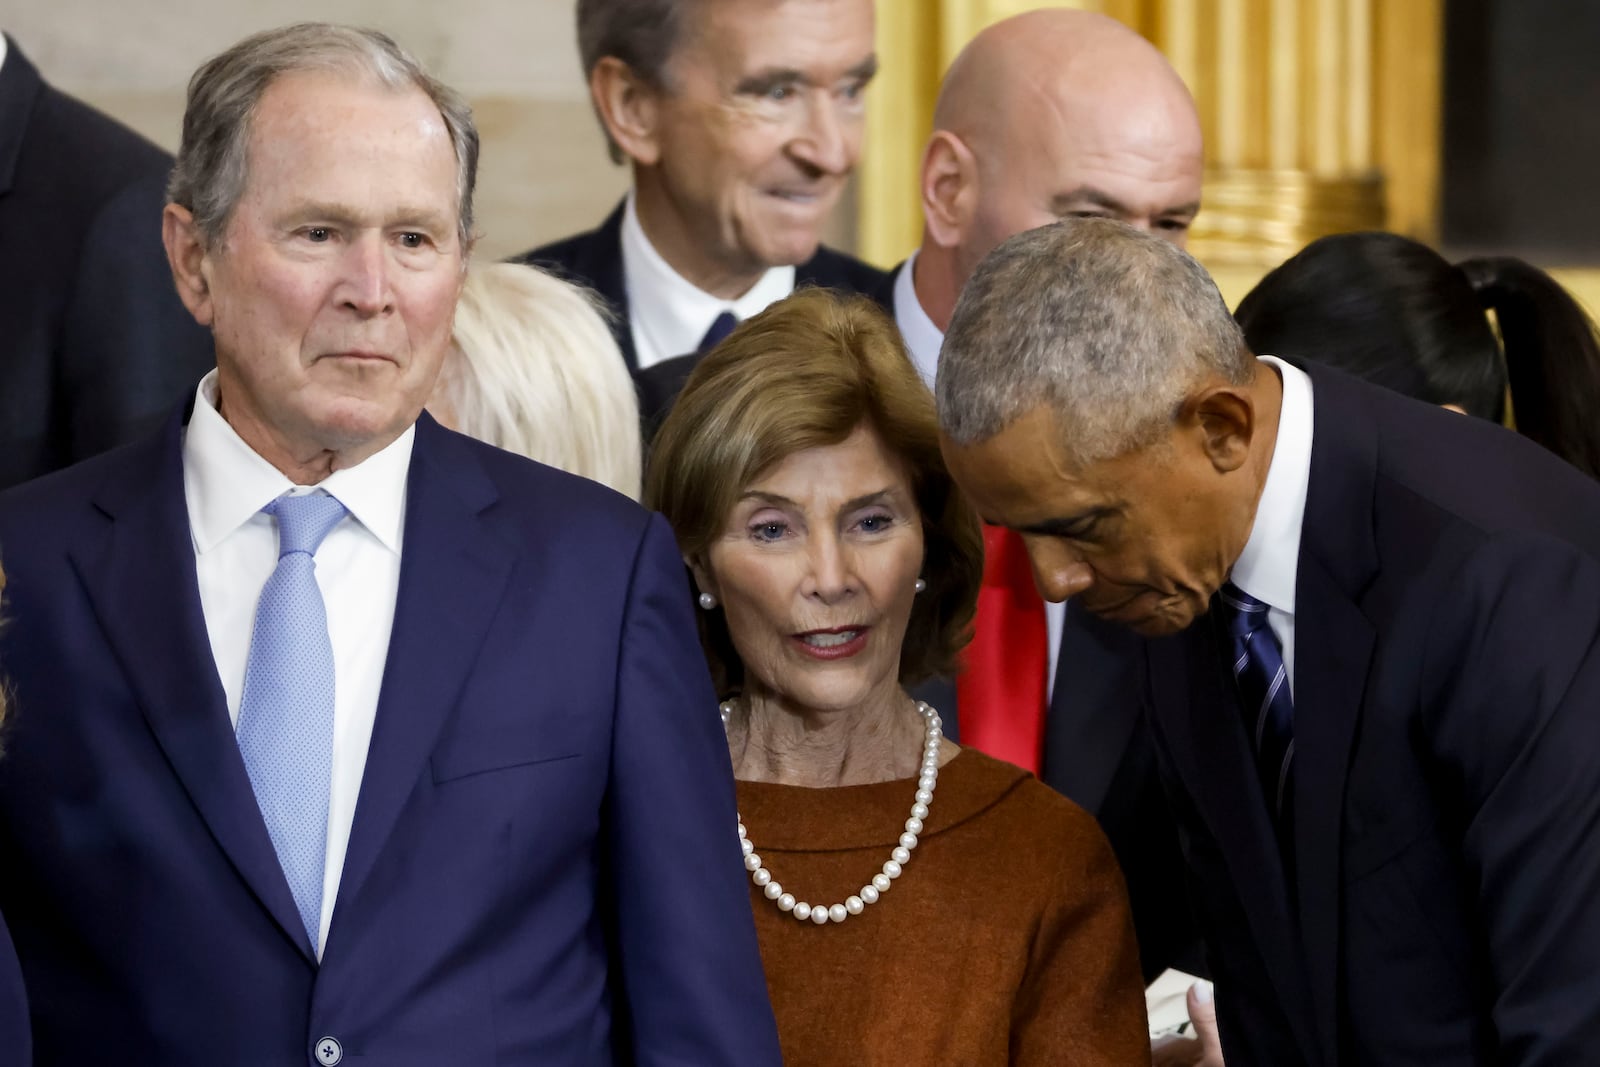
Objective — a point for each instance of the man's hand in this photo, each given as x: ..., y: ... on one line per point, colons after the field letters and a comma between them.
x: 1203, y: 1048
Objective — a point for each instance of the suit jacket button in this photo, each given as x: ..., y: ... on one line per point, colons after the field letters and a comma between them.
x: 328, y: 1051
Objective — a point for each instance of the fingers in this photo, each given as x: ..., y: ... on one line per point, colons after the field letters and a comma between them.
x: 1203, y: 1014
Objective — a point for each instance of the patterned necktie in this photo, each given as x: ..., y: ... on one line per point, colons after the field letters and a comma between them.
x: 1000, y: 696
x: 285, y: 728
x: 721, y: 327
x: 1264, y: 697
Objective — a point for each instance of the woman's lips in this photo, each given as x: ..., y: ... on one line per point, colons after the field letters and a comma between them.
x: 840, y: 642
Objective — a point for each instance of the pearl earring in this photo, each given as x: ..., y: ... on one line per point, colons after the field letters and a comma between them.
x: 707, y: 601
x: 920, y: 586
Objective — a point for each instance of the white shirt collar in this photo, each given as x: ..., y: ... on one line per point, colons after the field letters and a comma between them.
x: 1270, y: 563
x: 2, y: 49
x: 225, y: 481
x: 923, y: 338
x: 669, y: 314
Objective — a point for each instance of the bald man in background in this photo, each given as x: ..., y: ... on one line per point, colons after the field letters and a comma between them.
x: 1050, y: 114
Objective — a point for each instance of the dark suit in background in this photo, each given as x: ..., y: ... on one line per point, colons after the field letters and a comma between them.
x: 1444, y: 906
x: 95, y: 347
x: 596, y: 259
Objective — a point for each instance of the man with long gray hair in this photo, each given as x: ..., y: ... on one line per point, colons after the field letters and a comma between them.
x: 1372, y: 655
x: 339, y: 734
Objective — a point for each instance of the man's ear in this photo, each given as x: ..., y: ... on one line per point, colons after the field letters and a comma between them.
x: 1224, y: 417
x: 629, y: 109
x: 949, y: 188
x: 186, y: 255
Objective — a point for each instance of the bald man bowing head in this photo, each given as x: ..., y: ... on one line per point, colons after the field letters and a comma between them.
x: 1049, y: 114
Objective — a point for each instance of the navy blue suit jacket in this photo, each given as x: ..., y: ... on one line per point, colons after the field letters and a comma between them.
x: 1445, y: 902
x: 543, y: 867
x: 95, y: 346
x: 15, y: 1042
x: 594, y: 259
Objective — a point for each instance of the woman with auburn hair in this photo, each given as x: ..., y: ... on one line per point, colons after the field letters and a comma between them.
x: 916, y: 902
x: 14, y: 1031
x: 535, y: 370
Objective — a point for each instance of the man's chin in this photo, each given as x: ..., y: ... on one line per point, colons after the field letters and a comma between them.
x: 1164, y: 620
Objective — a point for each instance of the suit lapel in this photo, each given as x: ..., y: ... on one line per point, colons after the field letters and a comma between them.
x: 20, y: 87
x: 1334, y: 644
x: 1191, y: 693
x: 144, y: 589
x: 453, y: 575
x: 604, y: 271
x: 1093, y: 707
x: 1329, y: 682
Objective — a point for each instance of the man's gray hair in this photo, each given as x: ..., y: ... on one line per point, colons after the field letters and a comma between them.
x: 642, y: 33
x: 1109, y: 326
x: 213, y: 161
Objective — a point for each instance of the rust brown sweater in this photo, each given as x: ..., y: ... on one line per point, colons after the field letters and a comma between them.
x: 1006, y: 941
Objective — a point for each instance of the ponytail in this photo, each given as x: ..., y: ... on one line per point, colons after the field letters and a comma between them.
x: 1552, y: 355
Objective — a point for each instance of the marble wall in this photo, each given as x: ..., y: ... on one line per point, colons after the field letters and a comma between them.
x: 545, y: 172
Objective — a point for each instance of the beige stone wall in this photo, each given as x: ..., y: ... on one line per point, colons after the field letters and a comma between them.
x: 544, y: 172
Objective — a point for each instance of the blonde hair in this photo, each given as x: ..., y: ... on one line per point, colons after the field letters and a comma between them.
x: 806, y: 373
x: 536, y: 371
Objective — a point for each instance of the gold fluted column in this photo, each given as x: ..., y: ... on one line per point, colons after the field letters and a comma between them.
x: 1287, y: 92
x: 917, y: 39
x: 1319, y: 115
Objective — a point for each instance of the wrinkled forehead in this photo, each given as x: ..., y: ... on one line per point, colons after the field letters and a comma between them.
x: 824, y: 40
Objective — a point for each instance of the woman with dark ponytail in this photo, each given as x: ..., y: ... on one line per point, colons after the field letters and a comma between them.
x: 1393, y: 311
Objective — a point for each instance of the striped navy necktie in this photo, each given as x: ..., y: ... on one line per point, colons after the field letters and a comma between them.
x: 1265, y: 699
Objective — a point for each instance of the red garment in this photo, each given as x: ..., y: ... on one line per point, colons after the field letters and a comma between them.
x: 1001, y: 693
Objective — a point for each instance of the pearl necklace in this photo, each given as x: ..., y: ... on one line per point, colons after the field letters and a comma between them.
x: 870, y: 893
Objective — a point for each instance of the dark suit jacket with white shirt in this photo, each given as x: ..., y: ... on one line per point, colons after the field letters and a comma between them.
x: 1098, y: 753
x: 95, y: 346
x: 1442, y: 908
x: 594, y: 259
x: 542, y: 867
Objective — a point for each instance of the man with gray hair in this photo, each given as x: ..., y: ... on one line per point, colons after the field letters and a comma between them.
x: 741, y: 121
x: 1050, y: 113
x: 339, y: 734
x: 1372, y: 656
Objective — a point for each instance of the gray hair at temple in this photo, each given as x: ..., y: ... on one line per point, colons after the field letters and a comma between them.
x: 213, y: 160
x: 1108, y: 325
x: 641, y: 33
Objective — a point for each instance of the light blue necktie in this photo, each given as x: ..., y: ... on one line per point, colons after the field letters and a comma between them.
x: 285, y: 728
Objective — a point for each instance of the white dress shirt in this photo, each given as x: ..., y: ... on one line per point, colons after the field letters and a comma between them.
x: 225, y: 485
x: 1270, y: 563
x: 668, y: 314
x: 923, y: 341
